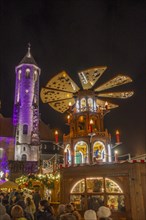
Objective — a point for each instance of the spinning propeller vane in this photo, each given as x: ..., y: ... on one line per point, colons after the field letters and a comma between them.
x: 61, y: 90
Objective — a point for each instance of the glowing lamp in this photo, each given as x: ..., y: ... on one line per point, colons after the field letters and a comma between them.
x: 117, y: 137
x: 70, y: 105
x: 116, y: 156
x: 56, y: 136
x: 68, y: 119
x: 1, y: 174
x: 106, y: 105
x: 91, y: 125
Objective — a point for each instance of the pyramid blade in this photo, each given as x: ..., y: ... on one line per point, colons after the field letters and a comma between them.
x: 90, y: 76
x: 62, y: 105
x: 116, y: 81
x: 49, y: 95
x: 62, y: 82
x: 120, y: 95
x: 100, y: 103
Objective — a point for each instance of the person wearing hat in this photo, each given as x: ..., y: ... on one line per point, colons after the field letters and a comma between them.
x: 90, y: 215
x: 104, y: 213
x: 3, y: 214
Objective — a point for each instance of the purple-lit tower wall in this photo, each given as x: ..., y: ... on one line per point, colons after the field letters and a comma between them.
x: 26, y: 110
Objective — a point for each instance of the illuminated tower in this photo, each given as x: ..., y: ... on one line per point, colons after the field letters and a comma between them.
x: 26, y: 109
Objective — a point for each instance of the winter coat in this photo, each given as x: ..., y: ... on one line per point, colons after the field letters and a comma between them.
x: 3, y: 214
x: 45, y: 215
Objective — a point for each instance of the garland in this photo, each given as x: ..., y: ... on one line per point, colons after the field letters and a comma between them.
x: 33, y: 180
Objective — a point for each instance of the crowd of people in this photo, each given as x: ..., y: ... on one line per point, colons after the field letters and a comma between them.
x: 18, y: 206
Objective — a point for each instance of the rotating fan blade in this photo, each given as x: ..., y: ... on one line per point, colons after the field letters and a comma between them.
x: 90, y: 76
x: 62, y: 82
x: 49, y: 95
x: 120, y: 95
x: 62, y: 105
x: 116, y: 81
x: 102, y: 104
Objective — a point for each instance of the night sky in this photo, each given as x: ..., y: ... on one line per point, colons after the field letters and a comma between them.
x: 74, y: 35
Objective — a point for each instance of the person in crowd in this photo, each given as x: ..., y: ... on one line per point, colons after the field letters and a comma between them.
x: 3, y: 214
x: 5, y: 203
x: 75, y: 212
x: 11, y: 204
x: 60, y: 211
x: 17, y: 213
x: 45, y: 211
x: 36, y: 198
x: 90, y: 215
x: 69, y: 215
x: 83, y: 203
x: 1, y: 197
x: 19, y: 196
x: 12, y: 194
x: 27, y: 215
x: 104, y: 213
x: 30, y: 207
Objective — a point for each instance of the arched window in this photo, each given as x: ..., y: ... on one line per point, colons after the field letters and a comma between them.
x: 90, y: 104
x: 98, y: 191
x: 19, y: 74
x: 25, y: 129
x: 35, y: 75
x: 77, y: 106
x: 83, y: 105
x: 27, y: 73
x: 99, y: 152
x: 1, y: 152
x: 68, y: 154
x: 81, y: 152
x: 24, y: 157
x: 81, y: 123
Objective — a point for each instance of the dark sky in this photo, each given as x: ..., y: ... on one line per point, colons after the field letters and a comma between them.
x: 73, y: 35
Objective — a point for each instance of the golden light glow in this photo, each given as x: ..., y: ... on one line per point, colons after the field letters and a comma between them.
x: 82, y: 180
x: 56, y: 132
x: 64, y: 74
x: 81, y: 119
x: 106, y: 103
x: 68, y: 95
x: 114, y: 183
x: 91, y: 121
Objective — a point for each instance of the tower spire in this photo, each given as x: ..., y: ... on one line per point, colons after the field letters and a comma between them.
x: 28, y: 58
x: 28, y: 52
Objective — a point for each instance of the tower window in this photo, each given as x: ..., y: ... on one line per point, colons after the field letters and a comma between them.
x: 27, y: 74
x: 19, y: 74
x: 24, y: 157
x: 35, y: 75
x: 25, y: 129
x: 1, y: 152
x: 24, y: 149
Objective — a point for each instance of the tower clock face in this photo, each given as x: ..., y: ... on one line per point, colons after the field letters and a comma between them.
x: 61, y: 91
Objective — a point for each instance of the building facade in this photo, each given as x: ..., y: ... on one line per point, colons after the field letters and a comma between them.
x: 120, y: 186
